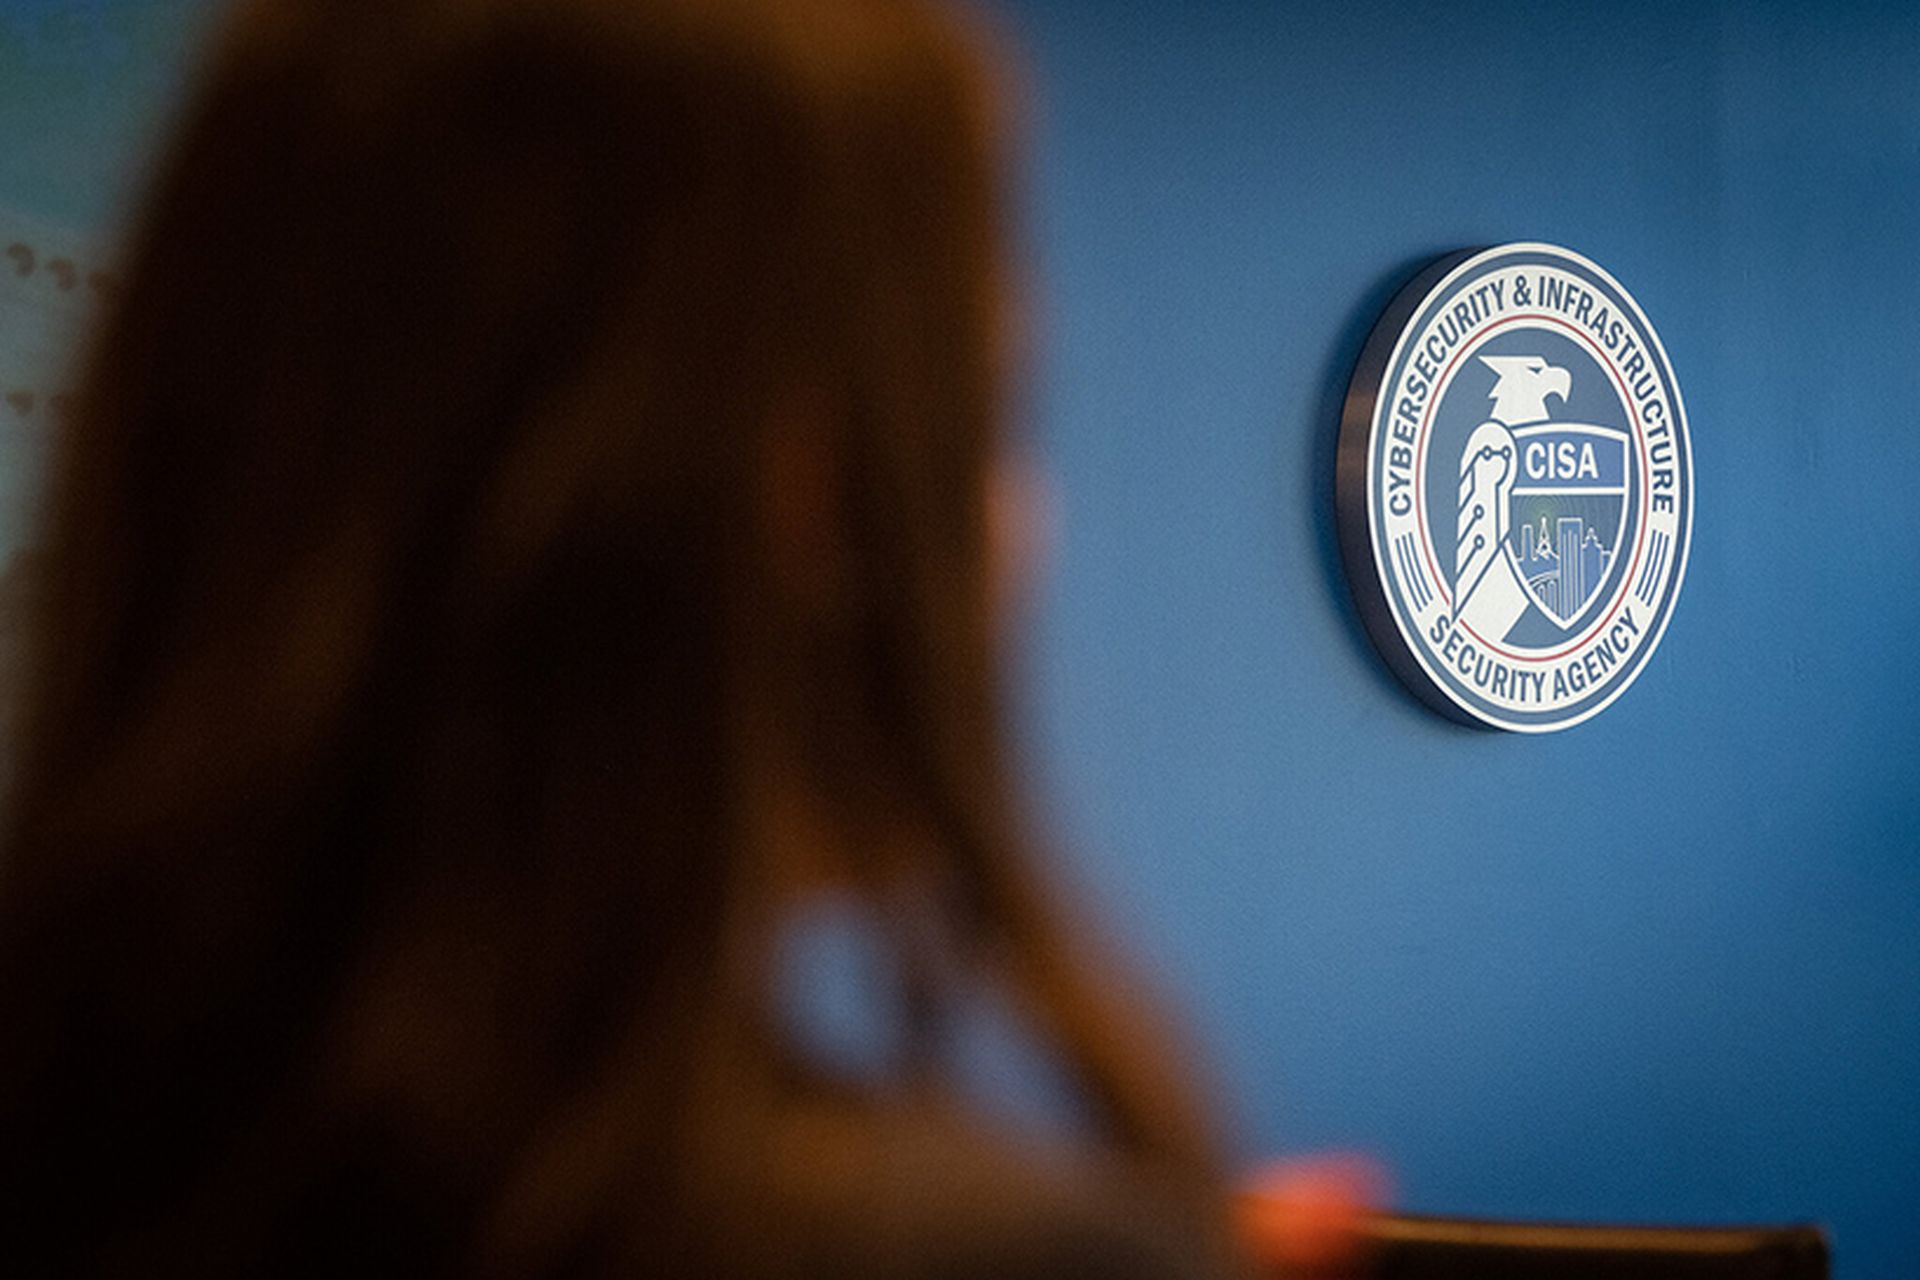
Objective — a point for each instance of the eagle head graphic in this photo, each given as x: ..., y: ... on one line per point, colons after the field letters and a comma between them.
x: 1522, y: 386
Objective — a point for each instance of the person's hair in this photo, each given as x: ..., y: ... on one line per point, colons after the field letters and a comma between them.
x: 382, y: 885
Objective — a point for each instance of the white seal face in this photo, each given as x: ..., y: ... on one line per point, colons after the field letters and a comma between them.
x: 1516, y: 487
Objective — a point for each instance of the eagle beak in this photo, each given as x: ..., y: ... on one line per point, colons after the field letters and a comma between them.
x: 1557, y: 381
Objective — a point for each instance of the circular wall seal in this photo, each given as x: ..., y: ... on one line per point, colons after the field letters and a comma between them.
x: 1515, y: 487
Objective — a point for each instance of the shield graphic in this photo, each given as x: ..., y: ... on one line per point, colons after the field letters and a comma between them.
x: 1565, y: 513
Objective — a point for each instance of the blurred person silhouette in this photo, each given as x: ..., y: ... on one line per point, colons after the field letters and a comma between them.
x: 537, y: 515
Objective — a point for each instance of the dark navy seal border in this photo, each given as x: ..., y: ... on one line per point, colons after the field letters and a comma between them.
x: 1350, y: 504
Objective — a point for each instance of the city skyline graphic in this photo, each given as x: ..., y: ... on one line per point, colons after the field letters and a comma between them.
x: 1563, y: 563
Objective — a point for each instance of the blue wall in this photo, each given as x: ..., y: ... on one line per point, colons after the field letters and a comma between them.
x: 1696, y: 993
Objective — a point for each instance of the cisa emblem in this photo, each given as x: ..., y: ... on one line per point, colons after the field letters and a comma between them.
x: 1515, y: 487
